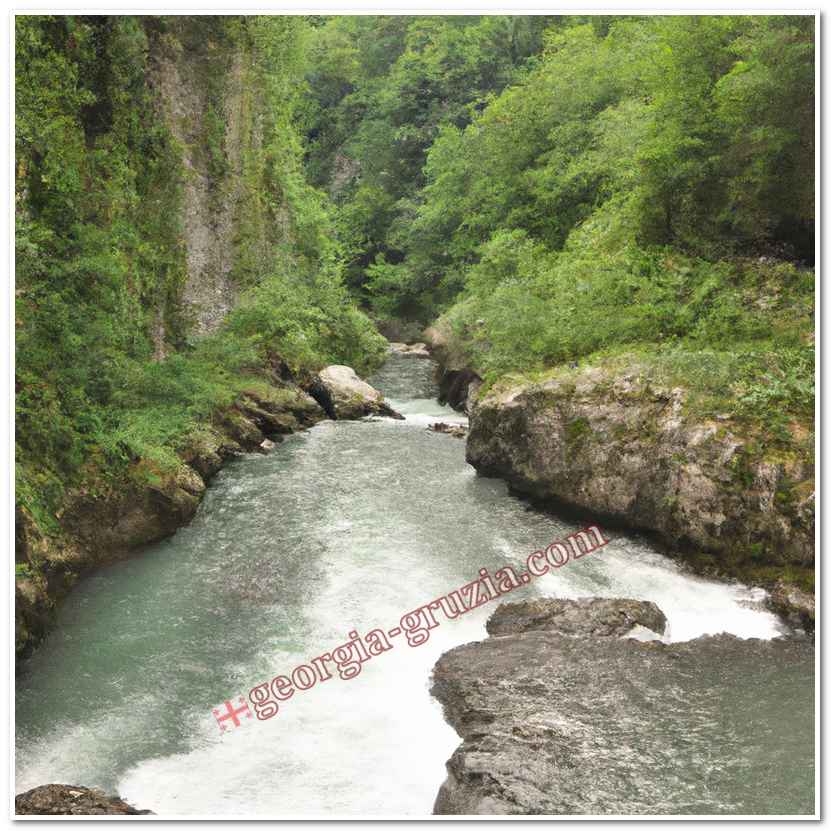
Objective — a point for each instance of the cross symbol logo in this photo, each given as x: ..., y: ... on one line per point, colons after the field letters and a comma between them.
x: 232, y: 714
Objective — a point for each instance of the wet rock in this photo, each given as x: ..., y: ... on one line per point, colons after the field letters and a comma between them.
x: 556, y: 723
x: 350, y: 396
x: 458, y: 383
x: 242, y: 430
x: 794, y: 604
x: 455, y: 387
x: 269, y: 423
x: 49, y: 800
x: 417, y: 350
x: 268, y: 445
x: 596, y: 616
x: 305, y: 409
x: 458, y: 431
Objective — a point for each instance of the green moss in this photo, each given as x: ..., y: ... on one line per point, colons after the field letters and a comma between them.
x: 577, y: 430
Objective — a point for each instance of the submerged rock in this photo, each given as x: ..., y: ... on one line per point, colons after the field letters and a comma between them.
x: 560, y: 715
x: 49, y: 800
x: 459, y: 431
x: 350, y: 396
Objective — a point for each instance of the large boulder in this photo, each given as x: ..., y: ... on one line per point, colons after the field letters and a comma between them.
x: 49, y: 800
x: 560, y: 715
x: 344, y: 395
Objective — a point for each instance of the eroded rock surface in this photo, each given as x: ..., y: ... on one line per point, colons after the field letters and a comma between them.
x: 795, y: 604
x: 49, y: 800
x: 458, y: 431
x: 578, y: 723
x: 617, y: 445
x: 417, y: 350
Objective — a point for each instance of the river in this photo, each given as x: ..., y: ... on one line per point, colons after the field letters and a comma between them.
x: 343, y: 527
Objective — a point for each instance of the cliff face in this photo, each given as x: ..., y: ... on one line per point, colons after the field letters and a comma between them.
x: 618, y: 445
x: 208, y: 96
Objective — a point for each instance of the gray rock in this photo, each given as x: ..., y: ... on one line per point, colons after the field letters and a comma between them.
x: 49, y: 800
x: 595, y: 616
x: 350, y: 396
x: 458, y: 431
x: 794, y: 604
x: 417, y: 350
x: 562, y: 724
x: 620, y: 446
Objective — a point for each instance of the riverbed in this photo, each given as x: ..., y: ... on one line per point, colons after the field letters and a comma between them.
x: 344, y: 527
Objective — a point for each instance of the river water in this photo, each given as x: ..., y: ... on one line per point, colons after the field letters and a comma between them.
x: 344, y: 527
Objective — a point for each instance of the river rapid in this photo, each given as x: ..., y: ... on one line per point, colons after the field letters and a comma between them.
x: 344, y: 527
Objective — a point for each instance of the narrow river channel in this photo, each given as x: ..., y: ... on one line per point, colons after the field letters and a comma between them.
x: 345, y: 527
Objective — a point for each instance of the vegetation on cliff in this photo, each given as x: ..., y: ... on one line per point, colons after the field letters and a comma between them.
x: 204, y: 204
x: 103, y: 266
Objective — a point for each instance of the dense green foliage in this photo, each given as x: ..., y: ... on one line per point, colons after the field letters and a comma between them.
x: 100, y: 253
x: 381, y: 88
x: 638, y: 183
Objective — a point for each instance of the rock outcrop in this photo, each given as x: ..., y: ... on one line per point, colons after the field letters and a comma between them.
x: 794, y: 604
x: 560, y: 715
x: 618, y: 446
x: 51, y: 800
x: 458, y: 384
x: 348, y: 395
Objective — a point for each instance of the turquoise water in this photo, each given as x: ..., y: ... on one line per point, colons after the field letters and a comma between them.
x: 344, y: 527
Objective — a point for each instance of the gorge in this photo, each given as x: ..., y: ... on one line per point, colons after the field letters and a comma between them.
x: 234, y: 237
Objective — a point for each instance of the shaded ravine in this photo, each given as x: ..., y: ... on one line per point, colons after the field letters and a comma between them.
x: 346, y: 526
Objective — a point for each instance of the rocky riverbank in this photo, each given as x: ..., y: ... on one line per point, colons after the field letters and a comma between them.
x: 616, y: 445
x: 560, y: 714
x: 112, y: 517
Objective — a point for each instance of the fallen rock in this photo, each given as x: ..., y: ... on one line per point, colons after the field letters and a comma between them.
x: 348, y: 395
x: 49, y: 800
x: 556, y: 723
x: 459, y: 431
x: 596, y: 616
